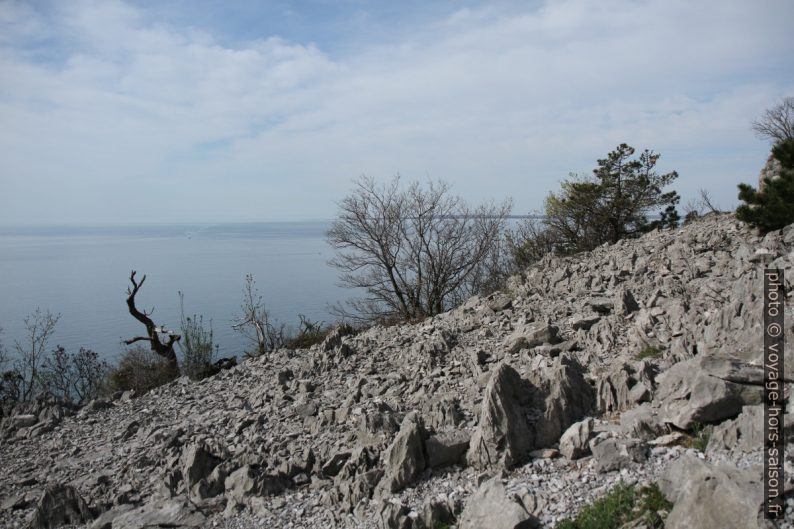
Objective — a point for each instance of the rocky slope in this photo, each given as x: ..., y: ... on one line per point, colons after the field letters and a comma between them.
x: 506, y: 412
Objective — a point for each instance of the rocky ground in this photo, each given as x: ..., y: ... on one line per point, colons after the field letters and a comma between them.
x: 507, y: 412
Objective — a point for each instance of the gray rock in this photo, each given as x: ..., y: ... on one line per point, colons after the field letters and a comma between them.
x: 531, y: 335
x: 197, y: 463
x: 625, y: 303
x: 105, y: 520
x: 584, y: 321
x: 23, y: 421
x: 404, y: 458
x: 568, y: 397
x: 712, y: 496
x: 574, y: 443
x: 707, y: 389
x: 60, y: 505
x: 175, y: 512
x: 499, y: 302
x: 446, y: 448
x: 334, y: 338
x: 614, y: 453
x: 503, y: 436
x: 643, y: 422
x: 745, y: 432
x: 250, y: 481
x: 332, y: 467
x: 490, y: 507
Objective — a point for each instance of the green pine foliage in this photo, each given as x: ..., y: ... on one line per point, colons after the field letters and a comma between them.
x: 613, y: 204
x: 773, y: 208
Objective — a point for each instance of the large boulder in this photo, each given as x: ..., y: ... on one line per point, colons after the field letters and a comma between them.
x: 574, y: 443
x: 707, y: 389
x: 197, y: 463
x: 404, y: 458
x: 643, y: 422
x: 249, y: 481
x: 173, y: 512
x: 531, y: 335
x: 568, y: 397
x: 503, y: 436
x: 491, y: 507
x: 712, y: 496
x: 60, y: 505
x: 624, y: 386
x: 746, y: 432
x: 446, y: 448
x: 612, y: 453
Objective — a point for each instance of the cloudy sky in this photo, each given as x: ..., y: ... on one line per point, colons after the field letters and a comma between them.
x: 206, y: 111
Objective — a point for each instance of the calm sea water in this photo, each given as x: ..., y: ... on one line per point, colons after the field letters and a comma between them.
x: 82, y: 273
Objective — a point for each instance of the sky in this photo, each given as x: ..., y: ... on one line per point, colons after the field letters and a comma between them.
x: 211, y: 111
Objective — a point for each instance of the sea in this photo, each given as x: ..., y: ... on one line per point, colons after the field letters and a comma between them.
x: 82, y: 274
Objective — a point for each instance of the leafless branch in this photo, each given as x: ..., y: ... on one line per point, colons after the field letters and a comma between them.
x: 163, y: 349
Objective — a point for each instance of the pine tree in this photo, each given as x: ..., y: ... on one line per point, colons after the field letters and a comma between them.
x: 773, y: 208
x: 613, y: 204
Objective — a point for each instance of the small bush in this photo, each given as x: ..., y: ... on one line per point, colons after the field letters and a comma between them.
x: 701, y: 435
x: 309, y: 333
x: 623, y: 504
x: 649, y: 352
x: 196, y: 345
x: 772, y: 208
x: 76, y: 377
x: 141, y: 370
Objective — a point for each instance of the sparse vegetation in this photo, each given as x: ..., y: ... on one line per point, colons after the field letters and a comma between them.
x: 309, y: 333
x: 141, y: 370
x: 255, y: 323
x: 76, y: 377
x: 623, y: 504
x: 701, y: 435
x: 649, y: 352
x: 196, y: 344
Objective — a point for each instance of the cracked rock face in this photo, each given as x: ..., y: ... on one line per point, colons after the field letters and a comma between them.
x: 459, y: 418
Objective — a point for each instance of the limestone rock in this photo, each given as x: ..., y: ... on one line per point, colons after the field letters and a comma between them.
x: 60, y: 505
x: 568, y: 397
x: 712, y: 496
x: 707, y: 389
x: 491, y: 507
x: 574, y: 443
x: 404, y: 458
x: 174, y: 512
x: 532, y: 335
x: 446, y: 448
x: 503, y: 436
x: 614, y: 453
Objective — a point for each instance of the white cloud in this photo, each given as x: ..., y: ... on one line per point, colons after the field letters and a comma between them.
x: 499, y: 102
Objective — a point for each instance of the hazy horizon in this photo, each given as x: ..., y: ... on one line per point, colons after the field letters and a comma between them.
x: 120, y: 112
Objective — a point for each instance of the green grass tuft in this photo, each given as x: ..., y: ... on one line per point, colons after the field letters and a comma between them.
x: 701, y: 434
x: 624, y: 503
x: 649, y: 352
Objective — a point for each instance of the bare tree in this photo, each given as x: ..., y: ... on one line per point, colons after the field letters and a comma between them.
x: 255, y: 324
x: 30, y: 354
x: 777, y: 123
x: 702, y: 205
x: 414, y: 251
x: 164, y: 349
